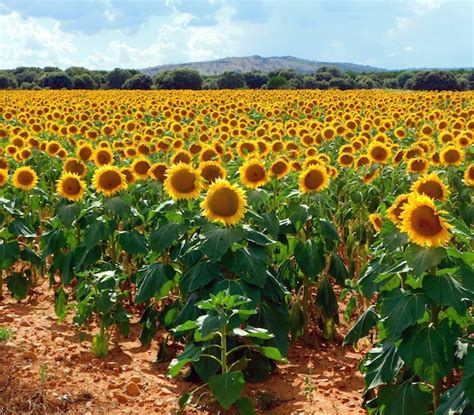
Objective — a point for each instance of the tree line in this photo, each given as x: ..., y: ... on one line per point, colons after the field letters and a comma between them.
x: 325, y: 77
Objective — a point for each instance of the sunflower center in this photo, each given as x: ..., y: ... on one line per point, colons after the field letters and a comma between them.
x: 184, y: 181
x: 346, y: 159
x: 159, y: 173
x: 224, y: 202
x: 85, y: 153
x: 418, y: 165
x: 142, y: 167
x: 425, y: 221
x: 71, y: 186
x: 431, y: 189
x: 379, y: 153
x: 25, y: 178
x: 211, y: 173
x: 314, y: 179
x: 471, y: 173
x: 279, y: 167
x: 452, y: 156
x: 255, y: 173
x: 103, y: 158
x: 110, y: 180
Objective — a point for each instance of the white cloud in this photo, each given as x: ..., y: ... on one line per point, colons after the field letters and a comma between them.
x: 408, y: 48
x: 33, y: 41
x: 401, y: 24
x: 422, y: 7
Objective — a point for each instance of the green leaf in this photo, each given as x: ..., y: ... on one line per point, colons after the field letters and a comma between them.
x: 191, y: 353
x: 328, y: 230
x: 245, y: 406
x: 164, y: 236
x: 255, y: 332
x: 227, y: 388
x: 454, y: 401
x: 199, y: 276
x: 28, y: 255
x: 117, y: 205
x: 63, y: 262
x: 326, y: 300
x: 420, y: 259
x: 9, y: 252
x: 150, y: 280
x: 381, y: 365
x: 402, y: 309
x: 405, y: 399
x: 20, y: 227
x: 310, y: 258
x: 60, y: 304
x: 250, y: 263
x: 276, y: 319
x: 429, y: 350
x: 338, y: 270
x: 68, y: 213
x: 54, y: 241
x: 96, y: 232
x: 272, y: 353
x: 133, y: 242
x: 447, y: 290
x: 362, y: 326
x: 256, y: 237
x: 218, y: 240
x: 18, y: 285
x: 391, y: 236
x: 210, y: 324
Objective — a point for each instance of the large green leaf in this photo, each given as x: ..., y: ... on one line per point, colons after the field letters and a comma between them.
x: 133, y: 242
x: 402, y: 309
x: 405, y: 399
x: 20, y: 227
x: 362, y: 326
x: 245, y: 407
x: 96, y: 232
x: 250, y: 264
x: 328, y: 230
x: 454, y: 401
x: 164, y: 236
x: 326, y: 299
x: 120, y: 205
x: 421, y: 259
x: 310, y: 258
x: 447, y: 290
x: 276, y: 319
x: 391, y: 236
x: 18, y: 285
x: 381, y: 365
x: 218, y: 240
x: 54, y: 241
x: 199, y: 276
x: 227, y: 388
x: 151, y: 279
x: 9, y: 252
x: 68, y: 213
x: 428, y: 349
x: 28, y: 255
x: 338, y: 270
x: 191, y: 353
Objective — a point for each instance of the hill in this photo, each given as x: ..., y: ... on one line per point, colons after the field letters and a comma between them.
x: 259, y: 63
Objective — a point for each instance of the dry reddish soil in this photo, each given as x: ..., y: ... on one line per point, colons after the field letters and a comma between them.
x: 323, y: 380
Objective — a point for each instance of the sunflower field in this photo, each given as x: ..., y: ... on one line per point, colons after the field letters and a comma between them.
x: 240, y: 221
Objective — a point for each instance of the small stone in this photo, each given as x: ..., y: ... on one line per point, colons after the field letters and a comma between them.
x: 59, y: 341
x: 8, y: 318
x: 133, y: 389
x: 25, y: 323
x: 136, y: 379
x: 30, y: 355
x: 121, y: 398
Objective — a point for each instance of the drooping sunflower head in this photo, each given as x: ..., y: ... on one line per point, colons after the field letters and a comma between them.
x: 431, y: 186
x: 109, y: 180
x: 182, y: 182
x: 376, y: 221
x: 140, y: 168
x: 395, y: 211
x: 225, y: 203
x: 71, y: 187
x: 313, y: 179
x: 469, y: 175
x: 253, y: 174
x: 3, y: 177
x: 210, y: 171
x: 423, y: 224
x: 25, y: 178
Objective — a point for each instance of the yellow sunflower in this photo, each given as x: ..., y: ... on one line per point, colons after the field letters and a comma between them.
x: 72, y: 165
x: 182, y: 182
x: 109, y: 180
x: 25, y: 178
x: 395, y: 211
x: 103, y: 156
x: 469, y: 175
x: 417, y: 165
x: 279, y: 168
x: 451, y: 156
x: 3, y: 177
x: 157, y: 171
x: 423, y: 223
x: 140, y: 168
x: 210, y: 171
x: 313, y: 179
x: 376, y: 221
x: 431, y: 186
x: 71, y: 187
x: 225, y: 203
x: 253, y: 174
x: 378, y: 152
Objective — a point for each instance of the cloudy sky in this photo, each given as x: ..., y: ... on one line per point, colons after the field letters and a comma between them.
x: 103, y: 34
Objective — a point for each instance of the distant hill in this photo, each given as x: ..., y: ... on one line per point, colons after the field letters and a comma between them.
x: 259, y: 63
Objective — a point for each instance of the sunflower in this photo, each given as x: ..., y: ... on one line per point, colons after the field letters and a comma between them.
x: 157, y: 171
x: 417, y: 165
x: 431, y: 186
x: 25, y: 178
x: 140, y: 168
x: 210, y: 171
x: 394, y: 212
x: 71, y: 187
x: 182, y: 182
x: 469, y: 175
x: 85, y: 152
x: 345, y: 159
x: 279, y: 168
x: 451, y: 156
x: 378, y: 152
x: 103, y: 156
x: 253, y: 174
x: 72, y: 165
x: 423, y: 223
x: 313, y: 179
x: 224, y: 203
x: 129, y: 176
x: 376, y: 221
x: 3, y: 177
x: 109, y: 180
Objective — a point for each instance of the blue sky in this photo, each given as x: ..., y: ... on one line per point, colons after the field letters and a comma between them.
x: 103, y: 34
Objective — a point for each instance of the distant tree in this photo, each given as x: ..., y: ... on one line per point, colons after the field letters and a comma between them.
x: 320, y: 76
x: 470, y: 79
x: 309, y: 82
x: 117, y: 77
x: 83, y: 81
x: 26, y: 75
x: 435, y: 81
x: 287, y: 73
x: 294, y: 83
x: 390, y: 83
x: 231, y: 80
x: 178, y: 79
x: 256, y: 79
x: 365, y: 82
x: 138, y: 81
x: 341, y: 83
x: 276, y: 82
x: 51, y: 69
x: 8, y: 81
x: 27, y: 85
x: 333, y: 70
x: 55, y: 80
x: 210, y: 83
